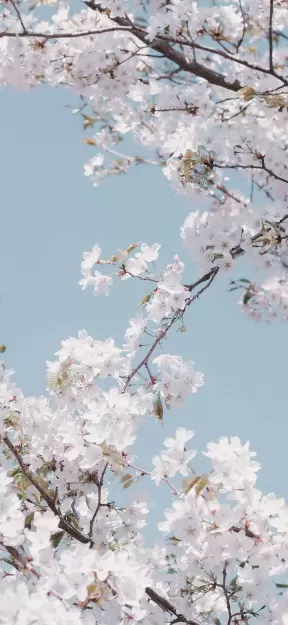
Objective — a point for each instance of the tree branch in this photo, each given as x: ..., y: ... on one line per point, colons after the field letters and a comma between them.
x: 99, y: 485
x: 227, y: 599
x: 161, y: 44
x: 49, y: 500
x: 208, y: 278
x: 166, y: 606
x: 259, y: 167
x: 18, y: 15
x: 237, y: 250
x: 28, y: 34
x: 270, y: 36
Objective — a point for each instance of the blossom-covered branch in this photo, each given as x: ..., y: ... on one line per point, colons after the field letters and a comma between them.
x: 203, y: 89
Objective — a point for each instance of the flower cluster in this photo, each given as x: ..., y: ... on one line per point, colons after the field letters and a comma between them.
x: 204, y: 90
x: 175, y: 458
x: 178, y: 378
x: 170, y: 294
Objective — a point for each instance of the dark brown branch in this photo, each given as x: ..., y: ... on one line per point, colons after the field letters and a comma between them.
x: 18, y: 15
x: 208, y: 278
x: 270, y: 36
x: 259, y: 167
x: 227, y: 599
x: 20, y: 560
x: 166, y: 606
x: 161, y: 45
x: 244, y: 27
x: 28, y: 34
x: 49, y: 500
x: 225, y: 54
x: 99, y: 485
x: 238, y: 251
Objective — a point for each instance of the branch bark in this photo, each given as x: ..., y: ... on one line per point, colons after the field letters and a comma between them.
x: 166, y: 606
x: 161, y: 44
x: 72, y: 531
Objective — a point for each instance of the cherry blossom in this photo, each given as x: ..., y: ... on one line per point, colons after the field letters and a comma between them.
x: 201, y: 89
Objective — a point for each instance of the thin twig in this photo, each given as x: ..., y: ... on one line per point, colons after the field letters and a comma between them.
x: 161, y: 44
x: 270, y: 36
x: 19, y: 15
x: 259, y: 167
x: 209, y: 277
x: 175, y: 491
x: 244, y: 27
x: 59, y: 35
x: 99, y: 485
x: 227, y: 599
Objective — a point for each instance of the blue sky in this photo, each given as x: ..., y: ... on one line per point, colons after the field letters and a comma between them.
x: 51, y: 214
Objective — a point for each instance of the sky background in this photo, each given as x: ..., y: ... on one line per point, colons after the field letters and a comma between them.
x: 51, y: 214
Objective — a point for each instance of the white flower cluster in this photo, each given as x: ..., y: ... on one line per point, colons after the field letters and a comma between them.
x: 175, y: 458
x: 267, y: 300
x: 92, y: 277
x: 204, y: 88
x: 178, y: 378
x: 170, y: 294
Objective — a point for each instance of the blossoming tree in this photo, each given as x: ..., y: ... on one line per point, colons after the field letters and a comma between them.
x: 204, y: 88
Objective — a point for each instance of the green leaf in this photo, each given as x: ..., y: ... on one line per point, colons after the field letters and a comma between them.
x: 146, y: 299
x: 244, y: 280
x: 281, y: 585
x: 158, y: 409
x: 45, y: 486
x: 247, y: 297
x: 28, y: 520
x: 189, y: 482
x: 56, y: 539
x: 201, y: 484
x: 15, y: 472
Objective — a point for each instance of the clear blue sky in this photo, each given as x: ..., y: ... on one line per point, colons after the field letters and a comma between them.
x: 51, y: 214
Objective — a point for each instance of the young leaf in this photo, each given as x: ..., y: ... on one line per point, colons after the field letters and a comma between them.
x: 189, y: 482
x: 28, y: 520
x: 247, y: 297
x: 131, y: 247
x: 158, y: 409
x: 89, y: 141
x: 126, y: 477
x: 201, y: 484
x: 174, y: 540
x: 128, y: 483
x: 145, y: 299
x: 56, y: 538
